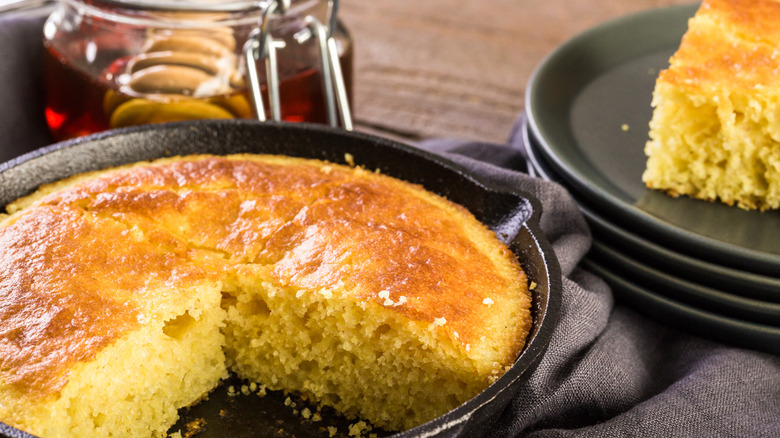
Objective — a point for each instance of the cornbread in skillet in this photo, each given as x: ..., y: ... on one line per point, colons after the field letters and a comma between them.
x: 715, y: 130
x: 128, y: 293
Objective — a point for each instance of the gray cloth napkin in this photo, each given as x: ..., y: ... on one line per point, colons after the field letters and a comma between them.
x: 608, y: 371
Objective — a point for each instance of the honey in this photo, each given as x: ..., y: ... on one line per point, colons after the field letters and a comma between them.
x: 103, y: 76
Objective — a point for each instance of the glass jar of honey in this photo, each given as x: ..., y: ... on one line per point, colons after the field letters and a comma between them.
x: 116, y: 63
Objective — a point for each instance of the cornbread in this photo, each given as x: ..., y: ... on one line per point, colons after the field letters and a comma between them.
x: 128, y: 293
x: 715, y: 130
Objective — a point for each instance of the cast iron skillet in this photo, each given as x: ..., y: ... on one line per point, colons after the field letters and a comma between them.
x: 511, y: 214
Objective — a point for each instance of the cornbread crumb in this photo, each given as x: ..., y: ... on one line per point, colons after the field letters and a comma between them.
x: 245, y: 389
x: 349, y: 159
x: 624, y: 127
x: 386, y: 296
x: 194, y: 427
x: 532, y: 286
x: 306, y: 413
x: 332, y: 431
x: 357, y: 429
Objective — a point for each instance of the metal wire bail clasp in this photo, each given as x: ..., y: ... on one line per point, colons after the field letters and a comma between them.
x: 262, y: 46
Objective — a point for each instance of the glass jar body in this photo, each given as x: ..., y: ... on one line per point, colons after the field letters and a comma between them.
x: 106, y: 66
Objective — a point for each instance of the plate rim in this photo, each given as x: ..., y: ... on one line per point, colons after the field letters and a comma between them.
x: 708, y: 325
x: 744, y: 309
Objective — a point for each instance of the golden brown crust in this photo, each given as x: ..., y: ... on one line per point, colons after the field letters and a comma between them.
x: 729, y: 43
x: 313, y: 225
x: 756, y: 20
x: 65, y: 294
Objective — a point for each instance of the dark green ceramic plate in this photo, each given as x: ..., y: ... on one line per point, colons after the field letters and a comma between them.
x: 688, y: 318
x: 736, y: 282
x: 588, y: 104
x: 685, y: 291
x: 720, y: 312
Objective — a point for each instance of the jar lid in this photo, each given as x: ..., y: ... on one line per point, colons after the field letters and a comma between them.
x: 202, y: 5
x: 185, y: 13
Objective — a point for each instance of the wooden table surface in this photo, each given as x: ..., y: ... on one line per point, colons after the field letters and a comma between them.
x: 459, y: 68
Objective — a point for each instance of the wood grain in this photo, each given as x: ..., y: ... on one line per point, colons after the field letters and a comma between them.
x: 458, y: 68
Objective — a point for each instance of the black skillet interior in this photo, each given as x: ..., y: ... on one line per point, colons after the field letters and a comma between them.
x: 512, y: 215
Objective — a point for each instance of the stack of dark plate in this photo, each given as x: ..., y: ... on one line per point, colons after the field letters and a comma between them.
x: 707, y: 268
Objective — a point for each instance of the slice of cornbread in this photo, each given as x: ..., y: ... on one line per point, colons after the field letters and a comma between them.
x: 103, y: 327
x: 127, y: 294
x: 715, y: 130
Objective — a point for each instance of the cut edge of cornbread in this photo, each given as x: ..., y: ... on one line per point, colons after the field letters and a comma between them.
x: 714, y: 133
x: 166, y: 364
x: 345, y: 354
x: 275, y: 336
x: 715, y: 149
